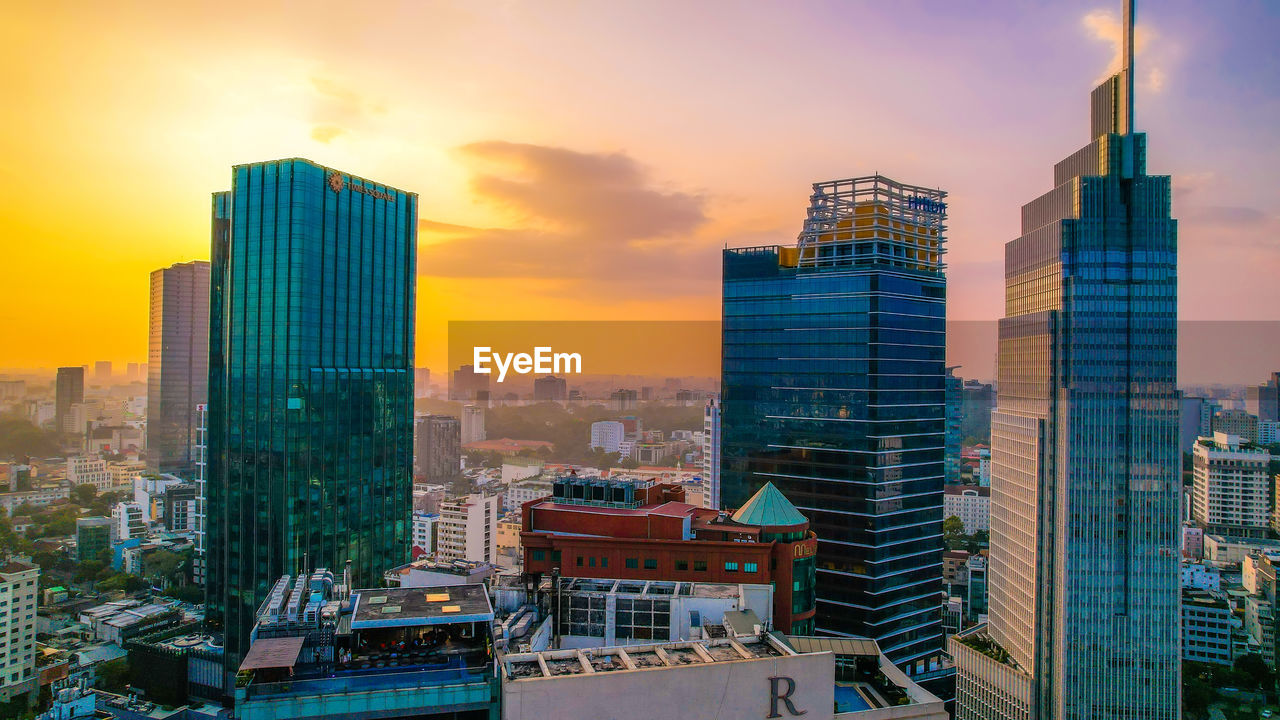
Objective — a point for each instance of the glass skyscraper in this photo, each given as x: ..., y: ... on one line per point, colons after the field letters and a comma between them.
x: 1086, y: 473
x: 310, y: 418
x: 833, y: 390
x: 177, y: 364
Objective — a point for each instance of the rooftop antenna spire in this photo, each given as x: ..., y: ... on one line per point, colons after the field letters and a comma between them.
x: 1126, y: 68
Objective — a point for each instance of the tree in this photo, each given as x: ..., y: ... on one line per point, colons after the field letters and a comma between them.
x: 83, y: 494
x: 953, y: 532
x: 1255, y: 669
x: 113, y: 675
x: 1196, y: 696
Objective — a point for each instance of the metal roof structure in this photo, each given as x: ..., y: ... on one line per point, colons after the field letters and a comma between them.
x: 769, y: 508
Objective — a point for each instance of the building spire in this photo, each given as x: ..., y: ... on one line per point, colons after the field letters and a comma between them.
x: 1126, y: 67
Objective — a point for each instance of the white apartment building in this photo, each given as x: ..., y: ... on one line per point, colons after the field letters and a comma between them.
x: 1198, y: 576
x: 1206, y: 627
x: 89, y: 470
x: 468, y: 528
x: 18, y: 586
x: 519, y: 493
x: 984, y: 467
x: 39, y: 496
x: 971, y: 504
x: 606, y: 435
x: 1232, y: 491
x: 123, y: 472
x: 1268, y: 432
x: 127, y: 521
x: 711, y: 453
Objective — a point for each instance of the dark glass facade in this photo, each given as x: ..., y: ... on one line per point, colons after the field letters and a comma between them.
x: 833, y: 390
x: 177, y: 364
x: 310, y: 439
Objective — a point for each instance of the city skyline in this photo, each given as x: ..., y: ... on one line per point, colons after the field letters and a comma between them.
x: 664, y: 196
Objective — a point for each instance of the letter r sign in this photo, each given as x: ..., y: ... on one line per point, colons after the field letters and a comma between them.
x: 780, y: 691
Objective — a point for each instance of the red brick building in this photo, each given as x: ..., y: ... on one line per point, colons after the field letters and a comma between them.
x: 638, y: 530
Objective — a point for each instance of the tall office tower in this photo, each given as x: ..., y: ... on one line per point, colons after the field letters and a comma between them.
x: 178, y: 364
x: 102, y: 372
x: 437, y: 448
x: 131, y: 372
x: 472, y: 424
x: 955, y: 418
x: 310, y: 419
x: 832, y: 389
x: 550, y: 389
x: 69, y: 391
x: 1264, y: 400
x: 421, y: 382
x: 200, y: 460
x: 711, y: 453
x: 1084, y: 567
x: 468, y: 384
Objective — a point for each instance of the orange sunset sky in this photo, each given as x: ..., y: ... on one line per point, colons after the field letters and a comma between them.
x: 587, y: 160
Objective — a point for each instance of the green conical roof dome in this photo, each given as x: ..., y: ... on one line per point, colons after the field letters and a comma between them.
x: 769, y: 507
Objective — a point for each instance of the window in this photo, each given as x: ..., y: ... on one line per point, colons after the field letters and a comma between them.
x: 682, y: 564
x: 555, y: 556
x: 591, y: 562
x: 650, y: 564
x: 750, y: 567
x: 604, y: 562
x: 539, y: 555
x: 631, y: 563
x: 731, y: 567
x: 699, y: 565
x: 579, y: 561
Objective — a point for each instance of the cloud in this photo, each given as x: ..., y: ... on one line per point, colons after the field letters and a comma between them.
x: 337, y: 108
x: 326, y: 133
x: 1227, y: 216
x: 606, y: 194
x: 594, y: 220
x: 1105, y: 26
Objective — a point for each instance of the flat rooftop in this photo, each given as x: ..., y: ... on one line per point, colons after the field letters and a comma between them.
x: 633, y: 658
x: 403, y: 607
x: 649, y: 588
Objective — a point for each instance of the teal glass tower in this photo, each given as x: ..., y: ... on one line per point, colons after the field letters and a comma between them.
x: 1086, y: 474
x: 832, y: 388
x: 310, y: 435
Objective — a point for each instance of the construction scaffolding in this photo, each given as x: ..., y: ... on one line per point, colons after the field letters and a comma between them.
x: 873, y: 220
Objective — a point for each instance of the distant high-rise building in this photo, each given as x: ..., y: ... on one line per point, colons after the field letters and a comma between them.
x: 622, y: 400
x: 178, y: 364
x: 833, y: 390
x: 711, y: 453
x: 93, y: 535
x: 1086, y: 481
x: 977, y: 399
x: 955, y: 419
x: 437, y: 448
x: 1264, y: 400
x: 133, y: 372
x: 1232, y: 490
x: 102, y: 372
x: 421, y: 382
x: 472, y: 424
x: 1236, y: 422
x: 69, y: 391
x: 468, y: 385
x: 1195, y: 420
x: 310, y: 417
x: 550, y: 389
